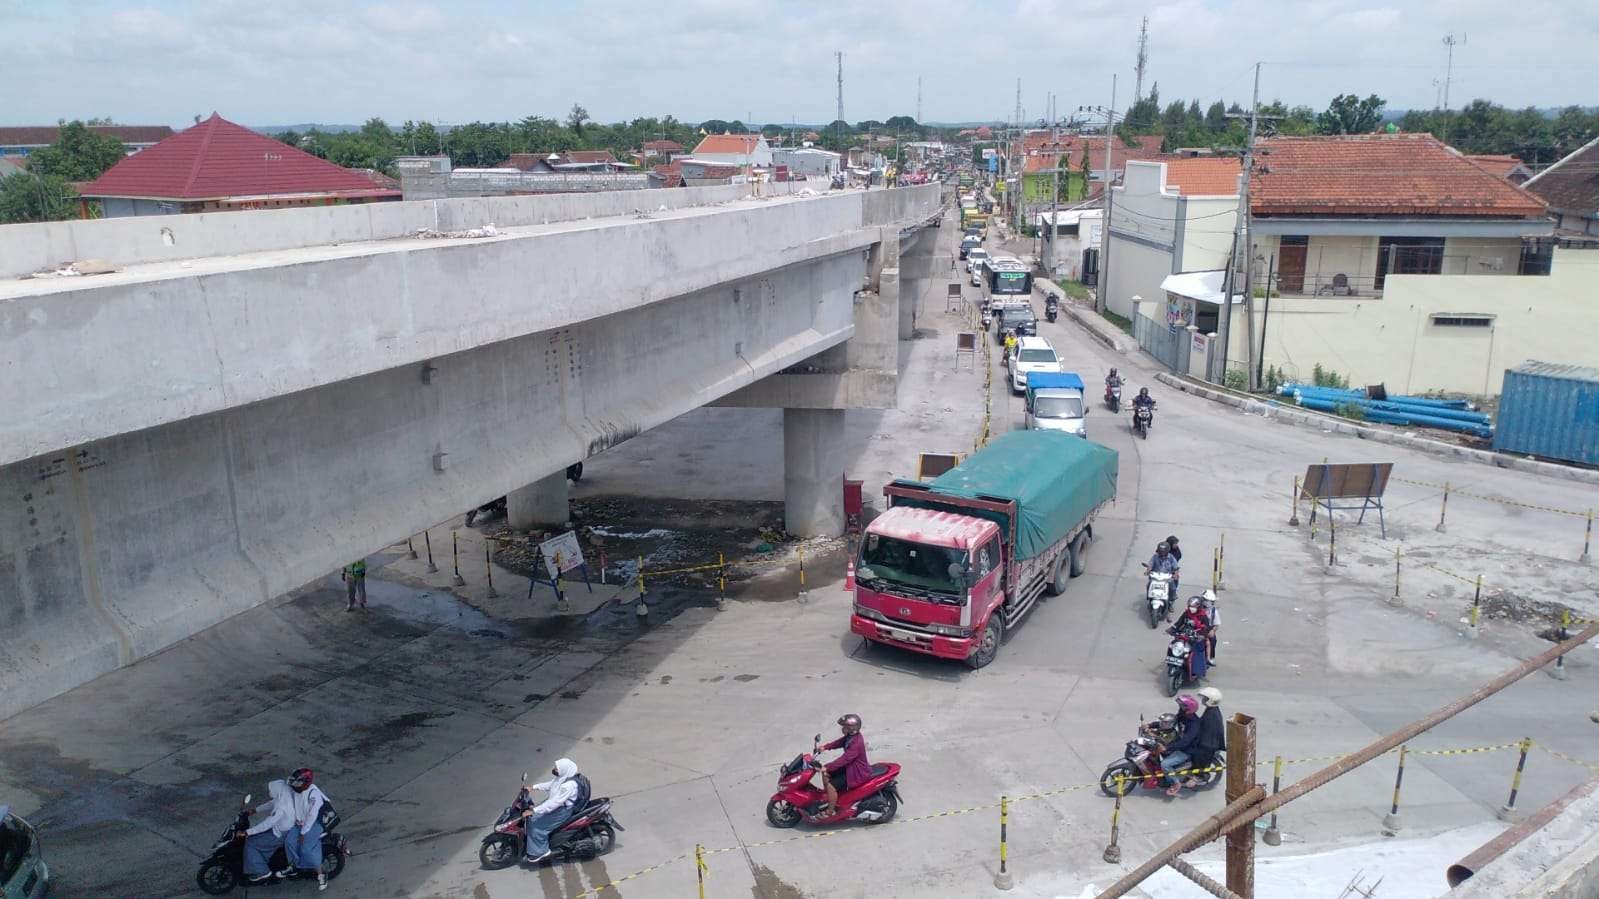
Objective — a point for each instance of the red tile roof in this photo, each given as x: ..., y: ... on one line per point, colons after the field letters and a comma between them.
x: 1501, y: 165
x: 727, y: 143
x: 1379, y: 174
x: 38, y: 136
x: 1204, y: 176
x: 589, y: 157
x: 217, y: 159
x: 1572, y: 184
x: 662, y: 146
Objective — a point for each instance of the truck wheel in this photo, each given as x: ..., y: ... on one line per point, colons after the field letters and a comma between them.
x: 1077, y: 554
x: 988, y: 644
x: 1062, y: 574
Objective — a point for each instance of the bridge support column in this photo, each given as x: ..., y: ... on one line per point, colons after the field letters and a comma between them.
x: 813, y: 472
x: 541, y: 503
x: 915, y: 269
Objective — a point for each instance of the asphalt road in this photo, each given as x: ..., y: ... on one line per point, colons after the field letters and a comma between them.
x: 421, y: 714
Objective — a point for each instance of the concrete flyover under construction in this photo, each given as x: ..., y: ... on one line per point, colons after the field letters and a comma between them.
x: 248, y: 401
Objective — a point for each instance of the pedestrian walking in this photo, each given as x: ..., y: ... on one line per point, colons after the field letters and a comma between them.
x: 354, y: 576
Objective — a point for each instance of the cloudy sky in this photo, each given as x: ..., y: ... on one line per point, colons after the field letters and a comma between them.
x: 263, y: 62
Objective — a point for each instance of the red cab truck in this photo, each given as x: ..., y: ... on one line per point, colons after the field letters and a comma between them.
x: 952, y: 563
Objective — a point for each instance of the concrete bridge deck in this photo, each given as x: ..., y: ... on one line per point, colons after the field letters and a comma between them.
x: 188, y: 437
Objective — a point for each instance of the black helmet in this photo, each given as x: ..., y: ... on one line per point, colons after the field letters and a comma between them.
x: 1143, y: 391
x: 1162, y: 549
x: 851, y: 723
x: 1171, y: 541
x: 300, y: 779
x: 1113, y: 371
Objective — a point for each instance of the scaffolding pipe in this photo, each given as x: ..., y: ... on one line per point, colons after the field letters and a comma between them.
x: 1240, y: 813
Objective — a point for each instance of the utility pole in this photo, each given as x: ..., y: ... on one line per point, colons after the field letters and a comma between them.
x: 1143, y: 60
x: 1241, y: 244
x: 918, y: 99
x: 1054, y: 188
x: 1104, y: 225
x: 838, y: 118
x: 1018, y: 146
x: 1449, y: 67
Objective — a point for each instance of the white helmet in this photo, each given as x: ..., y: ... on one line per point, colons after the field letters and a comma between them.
x: 1209, y: 596
x: 1210, y: 696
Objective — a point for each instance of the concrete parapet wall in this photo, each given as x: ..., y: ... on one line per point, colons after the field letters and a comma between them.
x: 25, y: 249
x: 160, y: 344
x: 120, y: 547
x: 1558, y: 861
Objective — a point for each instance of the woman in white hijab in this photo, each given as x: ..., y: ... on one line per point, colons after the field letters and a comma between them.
x: 541, y: 820
x: 262, y: 840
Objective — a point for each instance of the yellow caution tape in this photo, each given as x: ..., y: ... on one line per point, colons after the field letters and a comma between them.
x: 596, y: 890
x: 1453, y: 491
x: 1591, y: 766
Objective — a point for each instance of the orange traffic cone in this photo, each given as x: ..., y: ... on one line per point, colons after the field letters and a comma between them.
x: 849, y: 577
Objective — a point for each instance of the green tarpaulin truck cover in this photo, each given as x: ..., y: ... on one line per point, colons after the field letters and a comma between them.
x: 1056, y: 480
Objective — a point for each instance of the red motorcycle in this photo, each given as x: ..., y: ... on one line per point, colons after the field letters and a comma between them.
x: 1140, y: 761
x: 588, y: 834
x: 798, y: 799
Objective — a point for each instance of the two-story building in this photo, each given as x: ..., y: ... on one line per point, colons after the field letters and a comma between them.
x: 1386, y: 258
x: 743, y: 150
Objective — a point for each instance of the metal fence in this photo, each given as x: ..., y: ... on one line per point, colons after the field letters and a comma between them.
x: 1171, y: 345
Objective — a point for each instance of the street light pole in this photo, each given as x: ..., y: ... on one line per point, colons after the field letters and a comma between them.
x: 1104, y: 225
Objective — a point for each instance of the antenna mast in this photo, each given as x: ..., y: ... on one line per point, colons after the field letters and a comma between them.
x: 838, y: 132
x: 1449, y: 70
x: 918, y: 99
x: 1143, y: 60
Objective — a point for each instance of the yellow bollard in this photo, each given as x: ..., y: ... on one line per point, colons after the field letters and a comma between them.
x: 1390, y: 821
x: 429, y: 539
x: 1476, y: 606
x: 1560, y: 660
x: 1113, y: 852
x: 803, y: 593
x: 700, y: 867
x: 1215, y: 569
x: 1508, y: 811
x: 455, y: 554
x: 410, y: 550
x: 1273, y: 836
x: 1396, y: 600
x: 488, y: 569
x: 1332, y: 538
x: 1003, y: 880
x: 721, y: 581
x: 1442, y: 509
x: 640, y: 609
x: 1221, y: 561
x: 1587, y: 538
x: 1293, y: 518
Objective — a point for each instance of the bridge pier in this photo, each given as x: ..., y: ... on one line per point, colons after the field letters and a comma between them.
x: 915, y: 268
x: 542, y: 503
x: 813, y: 472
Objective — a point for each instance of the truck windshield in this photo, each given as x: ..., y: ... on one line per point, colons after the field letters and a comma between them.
x: 1057, y: 407
x: 914, y: 566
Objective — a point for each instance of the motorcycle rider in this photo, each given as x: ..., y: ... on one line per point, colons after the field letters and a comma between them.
x: 1141, y: 401
x: 1180, y: 750
x: 303, y: 844
x: 1211, y: 733
x: 262, y: 840
x: 1214, y: 613
x: 1112, y: 381
x: 1197, y: 622
x: 1171, y: 544
x: 1163, y: 562
x: 544, y: 818
x: 850, y: 769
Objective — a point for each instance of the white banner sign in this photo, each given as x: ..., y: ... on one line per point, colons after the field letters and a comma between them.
x: 563, y: 547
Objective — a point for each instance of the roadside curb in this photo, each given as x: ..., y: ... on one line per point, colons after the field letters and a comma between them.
x: 1307, y: 419
x: 1081, y: 316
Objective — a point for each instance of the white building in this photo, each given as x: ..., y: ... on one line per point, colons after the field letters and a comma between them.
x: 742, y: 150
x: 812, y: 162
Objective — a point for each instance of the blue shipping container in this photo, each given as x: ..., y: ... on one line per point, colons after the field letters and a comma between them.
x: 1550, y: 410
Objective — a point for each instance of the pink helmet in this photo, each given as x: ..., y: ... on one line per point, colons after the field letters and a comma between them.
x: 1188, y: 704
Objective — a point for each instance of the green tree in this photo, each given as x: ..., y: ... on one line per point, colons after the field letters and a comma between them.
x: 576, y: 119
x: 1216, y: 117
x: 869, y: 126
x: 903, y: 124
x: 1348, y: 114
x: 78, y: 154
x: 29, y: 197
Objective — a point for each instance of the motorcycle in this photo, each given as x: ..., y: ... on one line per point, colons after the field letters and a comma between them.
x: 1113, y: 397
x: 1180, y: 657
x: 798, y: 799
x: 223, y: 869
x: 1158, y: 590
x: 588, y: 834
x: 1140, y: 761
x: 1143, y: 419
x: 1051, y: 308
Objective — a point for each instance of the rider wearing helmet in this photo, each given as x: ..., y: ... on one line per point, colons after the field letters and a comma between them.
x: 303, y: 844
x: 1142, y: 401
x: 849, y: 770
x: 1197, y: 626
x: 1212, y: 733
x: 1214, y: 613
x: 1179, y: 751
x: 544, y: 818
x: 1164, y: 562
